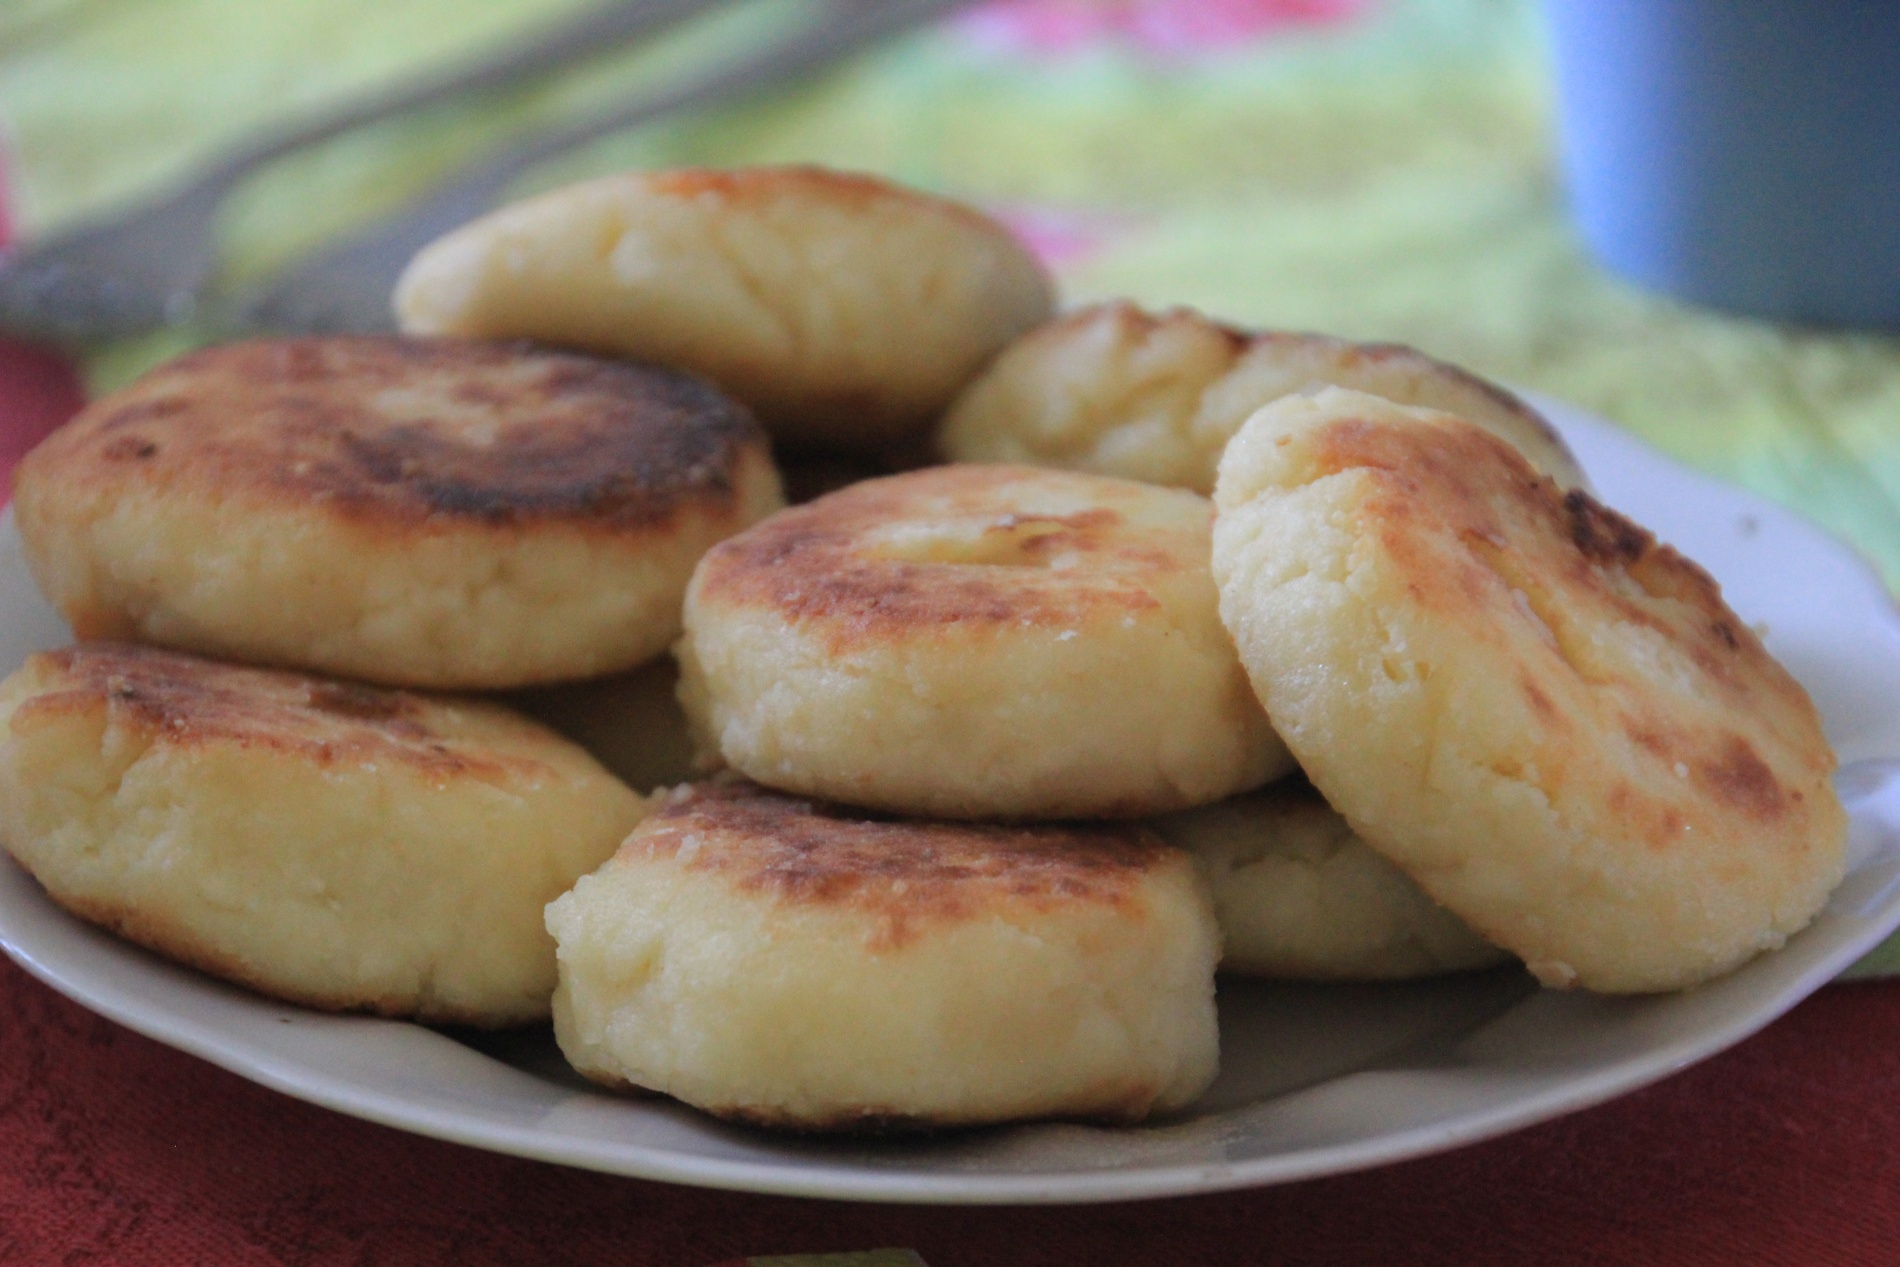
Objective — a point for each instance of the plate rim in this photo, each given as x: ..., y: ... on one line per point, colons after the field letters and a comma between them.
x: 823, y: 1181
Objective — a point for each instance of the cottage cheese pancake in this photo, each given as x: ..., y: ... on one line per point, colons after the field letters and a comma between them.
x: 416, y: 512
x: 331, y: 844
x: 810, y: 966
x: 846, y: 311
x: 1114, y: 389
x: 1299, y: 896
x: 1548, y: 720
x: 977, y: 642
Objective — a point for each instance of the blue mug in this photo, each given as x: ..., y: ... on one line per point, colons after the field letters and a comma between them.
x: 1738, y: 153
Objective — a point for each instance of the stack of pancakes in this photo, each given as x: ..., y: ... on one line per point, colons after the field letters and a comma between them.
x: 994, y: 757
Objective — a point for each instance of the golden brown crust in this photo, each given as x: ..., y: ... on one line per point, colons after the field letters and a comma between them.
x: 906, y: 874
x: 409, y: 433
x: 187, y: 702
x: 162, y: 936
x: 854, y: 190
x: 1550, y: 721
x: 1573, y: 563
x: 820, y: 563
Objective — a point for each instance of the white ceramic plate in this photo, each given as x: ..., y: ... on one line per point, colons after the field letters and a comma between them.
x: 1315, y: 1080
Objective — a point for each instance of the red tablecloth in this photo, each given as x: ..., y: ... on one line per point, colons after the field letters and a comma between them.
x: 38, y: 390
x: 114, y: 1149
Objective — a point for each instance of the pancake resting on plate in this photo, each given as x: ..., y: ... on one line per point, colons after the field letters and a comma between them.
x: 1548, y: 720
x: 806, y: 965
x: 977, y: 642
x: 846, y: 311
x: 327, y: 843
x: 415, y: 512
x: 1120, y: 391
x: 1300, y: 897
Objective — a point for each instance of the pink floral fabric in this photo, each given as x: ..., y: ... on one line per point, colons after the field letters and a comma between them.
x: 1168, y: 28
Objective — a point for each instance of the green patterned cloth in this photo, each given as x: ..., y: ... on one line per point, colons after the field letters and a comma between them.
x: 1374, y: 169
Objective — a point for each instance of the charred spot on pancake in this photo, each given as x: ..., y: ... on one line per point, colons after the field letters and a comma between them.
x: 1601, y: 533
x: 1737, y: 774
x: 416, y: 430
x: 187, y: 702
x: 1538, y: 699
x: 132, y: 448
x: 1648, y: 736
x: 347, y: 699
x: 905, y: 873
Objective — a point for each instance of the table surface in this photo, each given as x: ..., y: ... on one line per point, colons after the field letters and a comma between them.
x: 114, y: 1148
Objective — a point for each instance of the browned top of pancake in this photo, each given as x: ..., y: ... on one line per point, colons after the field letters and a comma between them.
x: 1607, y: 634
x: 964, y: 545
x: 416, y: 430
x: 905, y: 873
x: 182, y: 701
x: 854, y: 191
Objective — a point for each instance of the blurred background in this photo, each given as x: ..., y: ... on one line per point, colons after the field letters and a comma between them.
x: 1380, y: 169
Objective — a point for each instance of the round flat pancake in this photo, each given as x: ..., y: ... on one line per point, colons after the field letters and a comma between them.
x: 328, y: 843
x: 439, y: 513
x: 1551, y: 722
x: 843, y: 309
x: 977, y: 642
x: 811, y: 966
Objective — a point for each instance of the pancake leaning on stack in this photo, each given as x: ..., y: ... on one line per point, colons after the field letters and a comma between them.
x: 415, y: 512
x: 1548, y: 720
